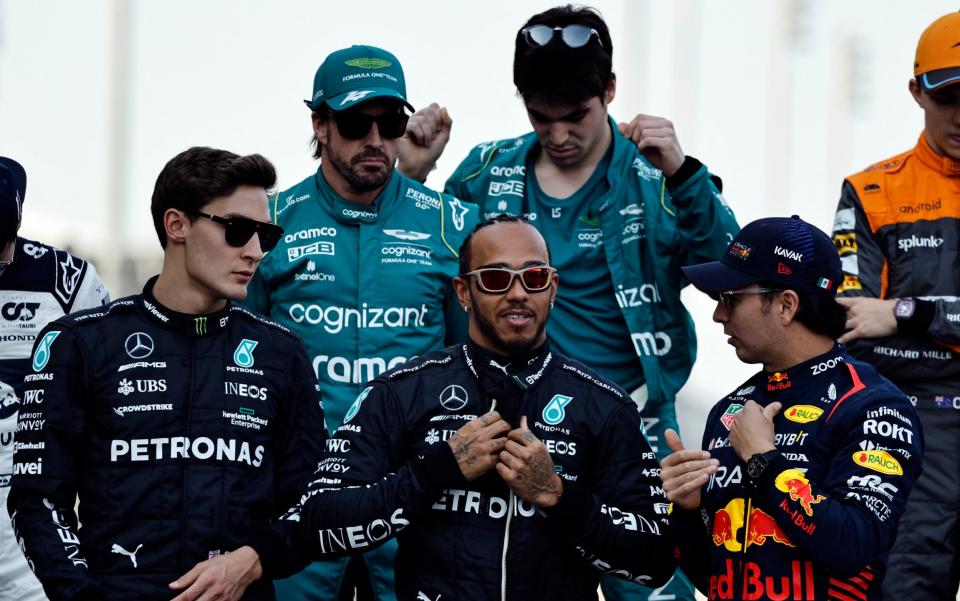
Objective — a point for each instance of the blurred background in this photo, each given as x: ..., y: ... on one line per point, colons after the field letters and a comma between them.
x: 781, y: 98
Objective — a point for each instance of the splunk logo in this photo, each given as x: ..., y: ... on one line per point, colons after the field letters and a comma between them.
x: 914, y: 241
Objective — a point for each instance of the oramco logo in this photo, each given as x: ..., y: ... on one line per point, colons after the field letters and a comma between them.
x: 42, y: 354
x: 555, y: 410
x: 243, y: 356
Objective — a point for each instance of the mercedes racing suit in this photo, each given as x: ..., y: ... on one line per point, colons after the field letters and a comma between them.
x: 42, y: 284
x: 367, y: 287
x: 182, y: 435
x: 897, y: 228
x: 390, y: 472
x: 818, y: 522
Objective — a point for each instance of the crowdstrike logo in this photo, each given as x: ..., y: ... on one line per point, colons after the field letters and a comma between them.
x: 914, y: 241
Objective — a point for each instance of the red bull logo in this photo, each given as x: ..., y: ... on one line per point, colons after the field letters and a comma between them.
x: 795, y: 483
x: 795, y: 583
x: 760, y: 527
x: 779, y: 380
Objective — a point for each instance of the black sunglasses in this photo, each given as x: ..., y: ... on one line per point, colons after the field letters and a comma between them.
x: 355, y: 125
x: 238, y: 230
x: 497, y: 280
x: 574, y: 36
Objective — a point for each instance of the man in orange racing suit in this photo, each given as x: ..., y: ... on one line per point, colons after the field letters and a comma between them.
x: 897, y: 229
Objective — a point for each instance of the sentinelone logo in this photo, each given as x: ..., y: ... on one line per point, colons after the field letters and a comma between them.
x: 334, y: 319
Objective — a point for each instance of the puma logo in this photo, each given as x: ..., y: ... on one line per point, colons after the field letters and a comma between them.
x: 121, y: 551
x: 421, y: 596
x: 502, y: 368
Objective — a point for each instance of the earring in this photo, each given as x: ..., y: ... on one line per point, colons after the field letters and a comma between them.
x: 466, y: 308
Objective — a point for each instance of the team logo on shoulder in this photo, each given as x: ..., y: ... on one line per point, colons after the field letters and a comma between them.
x: 555, y: 410
x: 355, y: 407
x: 803, y: 414
x: 459, y: 211
x: 42, y: 355
x: 727, y: 418
x: 243, y: 356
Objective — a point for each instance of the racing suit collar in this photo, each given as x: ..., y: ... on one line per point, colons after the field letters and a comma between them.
x: 503, y: 380
x: 945, y: 165
x: 191, y: 326
x: 818, y: 367
x: 349, y: 212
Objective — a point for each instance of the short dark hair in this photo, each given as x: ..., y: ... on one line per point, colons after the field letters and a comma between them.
x: 820, y: 313
x: 557, y: 74
x: 198, y: 175
x: 465, y: 248
x: 322, y: 114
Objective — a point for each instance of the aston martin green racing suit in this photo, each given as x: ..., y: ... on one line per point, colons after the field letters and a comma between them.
x: 367, y: 287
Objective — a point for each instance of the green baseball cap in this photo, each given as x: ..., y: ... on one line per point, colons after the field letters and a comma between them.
x: 357, y: 74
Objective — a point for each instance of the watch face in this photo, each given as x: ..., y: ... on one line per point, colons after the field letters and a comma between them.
x: 755, y: 466
x: 904, y: 308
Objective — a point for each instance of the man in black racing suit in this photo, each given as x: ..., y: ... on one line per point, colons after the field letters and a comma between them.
x: 184, y: 423
x: 506, y: 470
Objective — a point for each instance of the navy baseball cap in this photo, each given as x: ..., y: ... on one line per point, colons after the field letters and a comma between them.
x: 13, y: 188
x: 788, y: 252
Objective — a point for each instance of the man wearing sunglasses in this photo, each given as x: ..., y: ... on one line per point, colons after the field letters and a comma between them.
x: 184, y: 423
x: 38, y: 283
x: 897, y: 227
x: 620, y: 205
x: 806, y: 467
x: 505, y: 469
x: 364, y: 271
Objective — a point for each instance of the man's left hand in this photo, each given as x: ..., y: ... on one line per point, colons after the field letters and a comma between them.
x: 526, y: 467
x: 752, y: 430
x: 656, y: 140
x: 868, y: 317
x: 223, y: 578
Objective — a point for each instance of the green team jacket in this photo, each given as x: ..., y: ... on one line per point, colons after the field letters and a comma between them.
x: 649, y: 232
x: 367, y: 288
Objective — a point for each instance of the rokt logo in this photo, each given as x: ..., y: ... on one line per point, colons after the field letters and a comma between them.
x: 454, y: 397
x: 42, y: 355
x: 138, y: 345
x: 243, y: 356
x: 555, y: 410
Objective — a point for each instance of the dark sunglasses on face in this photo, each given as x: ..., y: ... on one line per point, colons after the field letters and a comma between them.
x: 238, y: 230
x: 497, y: 280
x: 728, y: 298
x: 574, y: 36
x: 355, y: 125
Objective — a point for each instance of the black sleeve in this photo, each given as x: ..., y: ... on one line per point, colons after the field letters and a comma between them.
x: 365, y: 484
x: 298, y: 446
x: 621, y: 527
x: 47, y: 467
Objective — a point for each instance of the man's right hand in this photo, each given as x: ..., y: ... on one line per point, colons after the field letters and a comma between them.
x: 428, y: 132
x: 477, y: 445
x: 683, y: 472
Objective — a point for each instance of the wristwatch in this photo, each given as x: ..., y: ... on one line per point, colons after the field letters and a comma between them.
x: 757, y: 464
x: 904, y: 308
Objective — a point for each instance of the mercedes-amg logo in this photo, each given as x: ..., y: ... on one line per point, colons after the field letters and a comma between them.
x: 138, y: 345
x: 453, y: 398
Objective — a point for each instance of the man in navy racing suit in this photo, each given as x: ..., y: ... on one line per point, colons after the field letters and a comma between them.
x: 38, y: 283
x: 506, y: 470
x: 184, y: 423
x: 364, y: 271
x: 806, y: 467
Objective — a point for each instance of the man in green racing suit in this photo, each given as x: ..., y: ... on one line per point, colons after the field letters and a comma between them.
x: 364, y: 272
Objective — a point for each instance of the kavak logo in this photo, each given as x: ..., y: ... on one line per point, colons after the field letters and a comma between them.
x: 453, y: 397
x: 138, y: 345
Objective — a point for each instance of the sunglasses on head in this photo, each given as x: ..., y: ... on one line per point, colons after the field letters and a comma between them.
x: 574, y: 36
x: 238, y: 230
x: 497, y: 280
x: 355, y: 125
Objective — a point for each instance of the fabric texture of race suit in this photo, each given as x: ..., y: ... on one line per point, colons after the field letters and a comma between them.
x: 367, y: 287
x: 650, y: 226
x: 182, y: 435
x: 897, y: 228
x: 820, y: 520
x: 42, y: 284
x: 390, y: 472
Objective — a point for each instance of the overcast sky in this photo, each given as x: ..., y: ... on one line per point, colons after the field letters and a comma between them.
x: 781, y: 98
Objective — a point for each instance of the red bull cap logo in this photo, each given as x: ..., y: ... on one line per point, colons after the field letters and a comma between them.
x: 795, y: 483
